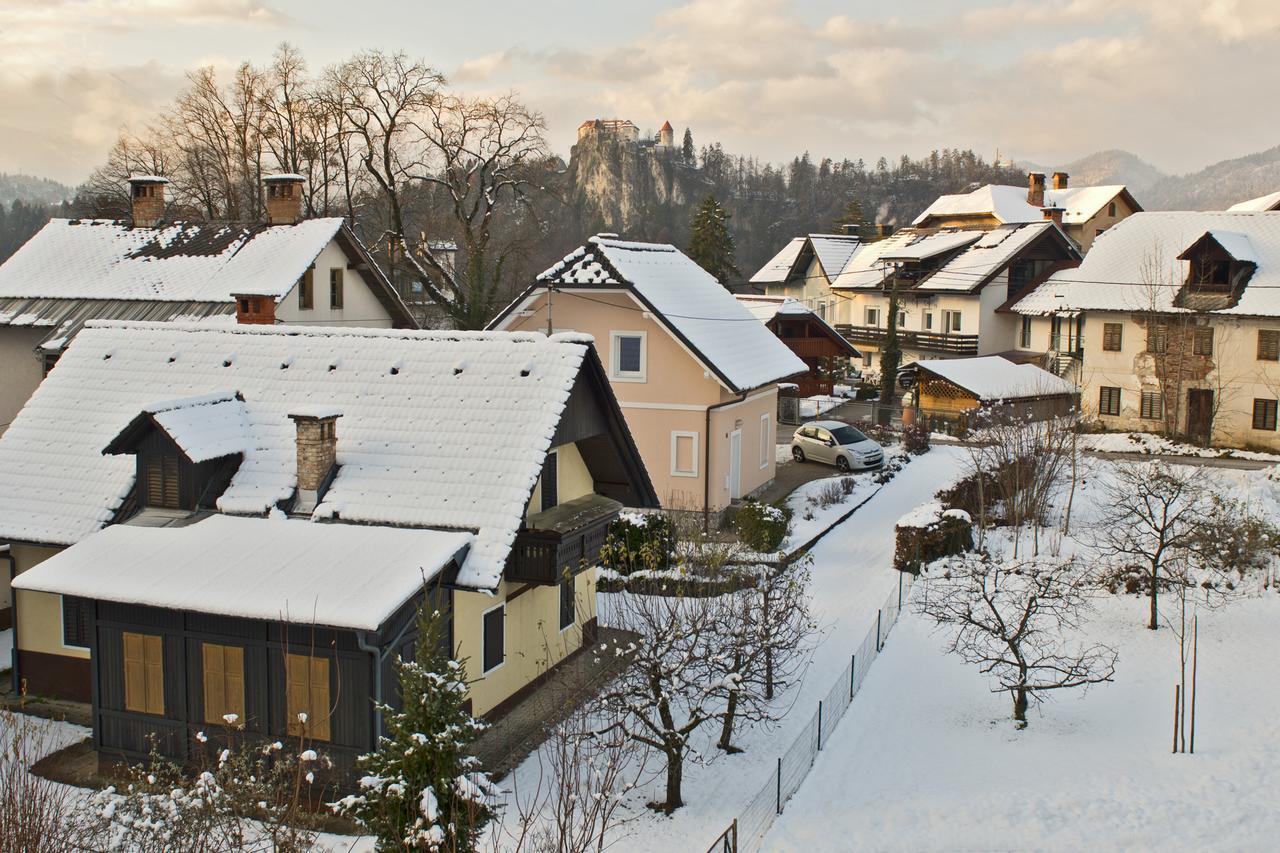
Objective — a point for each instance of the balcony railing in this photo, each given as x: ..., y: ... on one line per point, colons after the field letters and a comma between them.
x: 1069, y: 345
x: 952, y: 344
x: 564, y: 539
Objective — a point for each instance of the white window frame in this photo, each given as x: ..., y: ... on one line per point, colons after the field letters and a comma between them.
x: 614, y: 372
x: 948, y: 326
x: 675, y: 436
x: 766, y: 439
x: 503, y: 607
x: 870, y: 312
x: 926, y: 321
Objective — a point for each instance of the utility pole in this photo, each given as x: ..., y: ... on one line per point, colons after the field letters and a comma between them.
x: 550, y: 327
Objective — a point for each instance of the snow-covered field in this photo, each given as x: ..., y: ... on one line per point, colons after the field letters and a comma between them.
x: 1155, y: 445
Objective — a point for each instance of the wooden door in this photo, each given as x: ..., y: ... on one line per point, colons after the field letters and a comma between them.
x: 1199, y: 415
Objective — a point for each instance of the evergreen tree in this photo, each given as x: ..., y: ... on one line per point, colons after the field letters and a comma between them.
x: 421, y: 791
x: 687, y: 152
x: 891, y: 354
x: 851, y: 215
x: 710, y: 243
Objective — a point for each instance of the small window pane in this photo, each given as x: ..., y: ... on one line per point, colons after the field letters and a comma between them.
x: 75, y: 621
x: 628, y: 353
x: 494, y: 630
x: 335, y: 287
x: 1108, y: 400
x: 1264, y: 414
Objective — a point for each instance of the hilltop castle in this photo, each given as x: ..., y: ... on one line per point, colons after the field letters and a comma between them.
x: 625, y: 130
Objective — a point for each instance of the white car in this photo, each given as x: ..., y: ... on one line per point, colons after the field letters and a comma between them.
x: 835, y: 443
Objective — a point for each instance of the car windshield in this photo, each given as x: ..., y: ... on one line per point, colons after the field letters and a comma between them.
x: 847, y: 435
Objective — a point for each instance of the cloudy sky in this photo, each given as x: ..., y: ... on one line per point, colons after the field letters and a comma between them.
x: 1181, y: 83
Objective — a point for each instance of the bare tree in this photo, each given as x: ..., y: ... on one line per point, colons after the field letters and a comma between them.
x: 1012, y: 620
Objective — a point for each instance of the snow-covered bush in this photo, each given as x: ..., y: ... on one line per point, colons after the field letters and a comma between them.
x: 421, y: 790
x: 639, y: 542
x: 915, y: 439
x: 930, y: 532
x: 761, y: 526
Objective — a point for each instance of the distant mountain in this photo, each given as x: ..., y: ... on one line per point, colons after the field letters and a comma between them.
x: 32, y: 189
x: 1109, y: 167
x: 1219, y: 186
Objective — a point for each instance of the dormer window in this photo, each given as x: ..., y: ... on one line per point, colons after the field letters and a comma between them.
x: 160, y: 475
x: 1219, y: 265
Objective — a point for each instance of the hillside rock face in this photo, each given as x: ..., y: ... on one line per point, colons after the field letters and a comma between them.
x: 640, y: 193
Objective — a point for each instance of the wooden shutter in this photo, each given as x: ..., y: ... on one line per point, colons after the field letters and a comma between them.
x: 1268, y: 345
x: 143, y: 673
x: 1202, y: 343
x: 307, y: 691
x: 335, y: 287
x: 319, y: 698
x: 223, y: 682
x: 550, y: 482
x: 306, y: 290
x: 163, y: 480
x: 1111, y: 333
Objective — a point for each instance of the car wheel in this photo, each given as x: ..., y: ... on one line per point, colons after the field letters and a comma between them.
x: 797, y: 454
x: 842, y: 465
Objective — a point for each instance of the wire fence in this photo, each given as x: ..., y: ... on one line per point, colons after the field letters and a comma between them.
x: 746, y: 833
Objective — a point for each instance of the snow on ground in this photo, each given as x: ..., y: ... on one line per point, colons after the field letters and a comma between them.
x: 812, y: 407
x: 1140, y: 442
x: 809, y: 517
x: 851, y: 578
x: 6, y: 649
x: 927, y: 758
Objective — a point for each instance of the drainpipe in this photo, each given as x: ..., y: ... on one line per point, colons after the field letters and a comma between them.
x: 376, y: 652
x: 706, y: 461
x: 6, y: 554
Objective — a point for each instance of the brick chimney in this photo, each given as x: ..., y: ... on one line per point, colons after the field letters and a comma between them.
x: 253, y: 309
x: 284, y: 198
x: 317, y: 444
x: 1060, y: 180
x: 147, y: 195
x: 1053, y: 213
x: 1035, y: 189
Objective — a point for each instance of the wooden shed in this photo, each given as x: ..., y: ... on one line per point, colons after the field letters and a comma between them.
x: 949, y: 391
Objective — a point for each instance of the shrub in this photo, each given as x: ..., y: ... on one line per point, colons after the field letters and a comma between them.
x: 32, y: 808
x: 832, y: 492
x: 915, y: 439
x: 847, y: 485
x: 950, y: 533
x: 867, y: 392
x: 762, y: 527
x: 637, y: 542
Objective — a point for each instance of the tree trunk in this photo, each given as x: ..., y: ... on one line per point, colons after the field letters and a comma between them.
x: 726, y: 730
x: 1020, y: 706
x: 1154, y: 622
x: 675, y: 775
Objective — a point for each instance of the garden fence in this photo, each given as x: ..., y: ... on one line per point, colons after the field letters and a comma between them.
x: 746, y: 833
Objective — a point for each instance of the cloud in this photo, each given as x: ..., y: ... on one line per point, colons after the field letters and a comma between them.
x: 481, y: 68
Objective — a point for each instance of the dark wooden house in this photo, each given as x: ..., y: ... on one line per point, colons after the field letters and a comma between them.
x: 823, y: 350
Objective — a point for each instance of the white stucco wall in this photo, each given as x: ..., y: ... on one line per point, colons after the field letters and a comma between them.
x: 360, y: 306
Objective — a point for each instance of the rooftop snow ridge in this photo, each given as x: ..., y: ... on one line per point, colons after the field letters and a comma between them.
x: 188, y: 402
x: 347, y: 332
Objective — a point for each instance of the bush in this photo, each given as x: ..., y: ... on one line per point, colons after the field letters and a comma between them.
x: 637, y: 542
x: 951, y: 533
x: 831, y: 493
x: 915, y: 439
x: 762, y: 527
x: 867, y: 392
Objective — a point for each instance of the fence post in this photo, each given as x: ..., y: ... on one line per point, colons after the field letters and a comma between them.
x: 878, y: 612
x: 853, y: 674
x: 819, y: 725
x: 779, y: 784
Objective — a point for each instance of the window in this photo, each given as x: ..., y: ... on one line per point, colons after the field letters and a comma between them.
x: 244, y: 305
x: 873, y: 317
x: 766, y: 440
x: 950, y: 321
x: 568, y: 602
x: 1202, y: 341
x: 1024, y: 339
x: 306, y: 290
x: 1108, y: 400
x: 1157, y: 338
x: 306, y: 692
x: 684, y: 454
x: 822, y: 310
x: 628, y: 356
x: 928, y: 320
x: 866, y: 359
x: 1152, y: 407
x: 335, y: 287
x: 1264, y: 414
x: 1268, y: 345
x: 75, y: 622
x: 902, y: 319
x: 550, y: 484
x: 143, y: 673
x: 162, y: 479
x: 1111, y: 334
x: 1111, y: 209
x: 223, y: 681
x: 494, y: 635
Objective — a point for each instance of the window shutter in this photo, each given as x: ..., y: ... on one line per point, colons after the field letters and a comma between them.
x: 319, y: 696
x: 135, y: 674
x: 75, y: 621
x: 493, y: 631
x: 1268, y: 345
x: 215, y: 695
x: 567, y: 602
x: 307, y: 691
x: 550, y: 482
x: 1111, y: 333
x: 233, y: 667
x: 153, y: 649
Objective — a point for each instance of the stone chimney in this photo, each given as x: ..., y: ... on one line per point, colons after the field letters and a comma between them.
x: 317, y: 445
x: 254, y: 309
x: 1060, y: 180
x: 1053, y: 213
x: 1035, y: 189
x: 284, y: 198
x: 146, y: 192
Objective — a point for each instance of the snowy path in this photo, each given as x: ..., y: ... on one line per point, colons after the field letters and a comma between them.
x: 851, y: 578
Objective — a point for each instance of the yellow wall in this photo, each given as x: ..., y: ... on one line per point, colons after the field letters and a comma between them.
x: 1085, y: 233
x: 39, y: 614
x: 573, y: 480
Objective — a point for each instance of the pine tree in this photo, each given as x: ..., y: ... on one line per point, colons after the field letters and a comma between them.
x: 421, y: 791
x: 687, y: 152
x: 891, y: 353
x: 710, y: 243
x: 852, y: 215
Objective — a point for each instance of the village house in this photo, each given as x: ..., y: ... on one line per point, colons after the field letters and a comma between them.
x: 804, y: 269
x: 205, y: 520
x: 1262, y: 204
x: 951, y: 392
x: 1083, y: 212
x: 288, y: 269
x: 1172, y: 325
x: 695, y: 373
x: 950, y: 283
x: 811, y: 338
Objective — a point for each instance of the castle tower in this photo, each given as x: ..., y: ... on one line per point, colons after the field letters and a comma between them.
x: 666, y: 135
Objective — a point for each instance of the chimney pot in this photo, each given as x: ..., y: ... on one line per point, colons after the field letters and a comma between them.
x: 1054, y: 214
x: 317, y: 446
x: 1060, y: 180
x: 284, y: 198
x: 146, y: 193
x: 1035, y: 189
x: 255, y: 309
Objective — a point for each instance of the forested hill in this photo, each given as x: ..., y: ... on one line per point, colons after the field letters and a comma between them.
x: 26, y: 204
x: 29, y: 188
x: 650, y: 193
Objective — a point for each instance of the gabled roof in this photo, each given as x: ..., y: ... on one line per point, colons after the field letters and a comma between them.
x: 874, y: 262
x: 1136, y: 265
x: 339, y: 575
x: 204, y: 426
x: 444, y: 430
x: 1009, y: 204
x: 1263, y: 203
x: 992, y: 252
x: 779, y: 268
x: 193, y: 265
x: 687, y: 300
x: 832, y: 250
x: 766, y: 308
x: 1235, y: 244
x: 990, y: 378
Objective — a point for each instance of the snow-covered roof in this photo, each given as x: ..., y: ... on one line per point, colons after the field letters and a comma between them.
x: 833, y: 251
x: 927, y: 246
x: 1268, y: 202
x: 205, y: 426
x: 988, y: 255
x: 685, y: 298
x: 1235, y: 244
x: 439, y: 429
x: 1134, y: 265
x: 871, y: 265
x: 765, y: 308
x: 1009, y: 203
x: 991, y: 377
x: 63, y: 318
x: 340, y: 575
x: 184, y: 262
x: 778, y: 268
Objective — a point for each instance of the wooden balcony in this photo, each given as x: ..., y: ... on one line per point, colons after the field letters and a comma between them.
x: 814, y: 347
x: 564, y: 539
x: 951, y: 344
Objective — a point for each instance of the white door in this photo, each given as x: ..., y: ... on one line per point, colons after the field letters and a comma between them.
x: 735, y: 464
